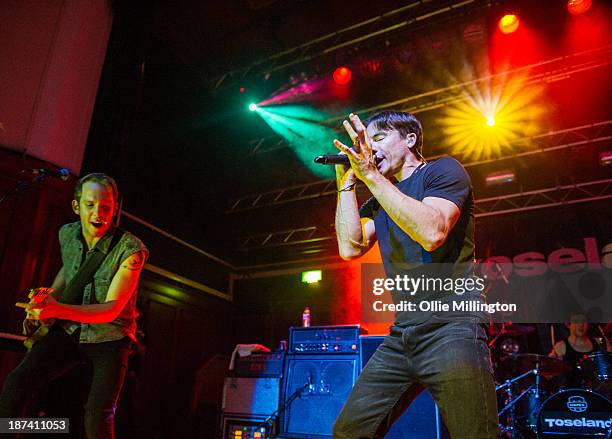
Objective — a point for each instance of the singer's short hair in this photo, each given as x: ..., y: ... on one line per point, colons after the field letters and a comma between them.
x: 96, y: 177
x: 404, y: 123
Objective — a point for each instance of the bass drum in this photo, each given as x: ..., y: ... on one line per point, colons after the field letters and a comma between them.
x: 575, y: 413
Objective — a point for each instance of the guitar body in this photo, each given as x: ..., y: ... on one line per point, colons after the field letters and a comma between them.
x: 37, y: 295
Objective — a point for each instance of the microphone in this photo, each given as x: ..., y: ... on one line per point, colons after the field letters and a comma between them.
x: 310, y: 384
x: 62, y: 173
x: 332, y: 159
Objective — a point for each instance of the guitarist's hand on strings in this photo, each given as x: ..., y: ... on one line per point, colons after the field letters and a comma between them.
x: 42, y: 306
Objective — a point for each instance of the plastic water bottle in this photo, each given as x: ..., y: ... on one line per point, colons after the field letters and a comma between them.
x: 306, y: 318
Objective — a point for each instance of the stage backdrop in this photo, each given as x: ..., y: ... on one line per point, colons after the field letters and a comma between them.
x: 266, y: 306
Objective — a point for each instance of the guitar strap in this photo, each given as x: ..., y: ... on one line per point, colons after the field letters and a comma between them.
x: 73, y: 293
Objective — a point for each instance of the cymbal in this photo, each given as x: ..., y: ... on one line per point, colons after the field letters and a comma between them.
x: 547, y: 366
x: 511, y: 330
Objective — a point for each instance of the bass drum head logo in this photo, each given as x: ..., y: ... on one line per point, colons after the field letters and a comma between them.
x: 577, y: 404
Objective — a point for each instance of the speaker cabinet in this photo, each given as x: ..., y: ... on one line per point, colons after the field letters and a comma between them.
x: 320, y: 383
x: 251, y: 396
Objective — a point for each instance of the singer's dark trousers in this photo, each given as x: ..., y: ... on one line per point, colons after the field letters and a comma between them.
x: 102, y: 367
x: 450, y: 359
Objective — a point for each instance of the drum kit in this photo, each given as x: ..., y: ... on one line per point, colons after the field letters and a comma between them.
x: 534, y: 399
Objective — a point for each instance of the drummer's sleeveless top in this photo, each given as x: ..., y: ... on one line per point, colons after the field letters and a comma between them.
x: 573, y: 357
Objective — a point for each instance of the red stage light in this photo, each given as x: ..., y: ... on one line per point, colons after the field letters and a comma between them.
x: 508, y: 23
x: 372, y: 67
x: 342, y: 75
x: 577, y: 7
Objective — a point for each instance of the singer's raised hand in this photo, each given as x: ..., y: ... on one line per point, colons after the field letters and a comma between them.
x: 361, y: 156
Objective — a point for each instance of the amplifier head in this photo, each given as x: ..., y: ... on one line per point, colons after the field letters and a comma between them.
x: 324, y: 339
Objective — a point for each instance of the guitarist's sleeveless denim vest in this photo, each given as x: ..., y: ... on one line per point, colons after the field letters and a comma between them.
x: 72, y: 245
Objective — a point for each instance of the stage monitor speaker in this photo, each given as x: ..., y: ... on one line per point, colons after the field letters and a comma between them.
x: 251, y: 396
x: 421, y: 420
x: 320, y: 384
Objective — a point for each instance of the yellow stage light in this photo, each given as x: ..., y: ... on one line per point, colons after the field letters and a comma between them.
x: 509, y: 23
x: 492, y: 116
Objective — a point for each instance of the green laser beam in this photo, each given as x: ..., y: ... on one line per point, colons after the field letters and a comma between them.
x: 301, y: 128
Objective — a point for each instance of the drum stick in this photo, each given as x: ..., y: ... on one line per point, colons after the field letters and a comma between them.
x: 552, y: 334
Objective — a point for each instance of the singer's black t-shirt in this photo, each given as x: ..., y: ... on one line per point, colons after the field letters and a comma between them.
x: 443, y: 178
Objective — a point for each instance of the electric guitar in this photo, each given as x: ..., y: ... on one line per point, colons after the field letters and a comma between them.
x: 37, y: 295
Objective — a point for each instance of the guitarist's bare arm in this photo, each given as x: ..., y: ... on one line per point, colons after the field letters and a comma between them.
x: 121, y: 289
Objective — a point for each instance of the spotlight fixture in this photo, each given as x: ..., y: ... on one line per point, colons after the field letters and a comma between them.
x: 404, y: 54
x: 342, y: 75
x: 474, y: 32
x: 499, y: 178
x: 605, y: 158
x: 252, y: 106
x: 371, y: 67
x: 508, y: 24
x: 577, y: 7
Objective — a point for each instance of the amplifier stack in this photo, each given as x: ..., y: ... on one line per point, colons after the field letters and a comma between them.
x: 322, y: 366
x: 301, y: 394
x: 251, y: 396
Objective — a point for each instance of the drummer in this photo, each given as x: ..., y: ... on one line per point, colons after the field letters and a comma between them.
x: 577, y: 346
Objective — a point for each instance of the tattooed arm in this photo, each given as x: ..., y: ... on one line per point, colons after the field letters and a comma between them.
x: 121, y: 289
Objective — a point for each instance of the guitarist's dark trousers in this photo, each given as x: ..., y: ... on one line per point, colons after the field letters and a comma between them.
x: 56, y: 355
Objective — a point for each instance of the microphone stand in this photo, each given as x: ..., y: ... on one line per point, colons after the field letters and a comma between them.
x: 605, y: 343
x: 269, y: 421
x: 511, y: 426
x: 22, y: 186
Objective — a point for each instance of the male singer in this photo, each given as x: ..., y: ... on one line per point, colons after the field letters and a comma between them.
x: 421, y: 214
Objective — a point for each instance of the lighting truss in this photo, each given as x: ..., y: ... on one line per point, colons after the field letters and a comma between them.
x: 552, y: 70
x: 304, y: 235
x: 408, y: 17
x: 543, y: 198
x: 542, y: 143
x: 485, y: 207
